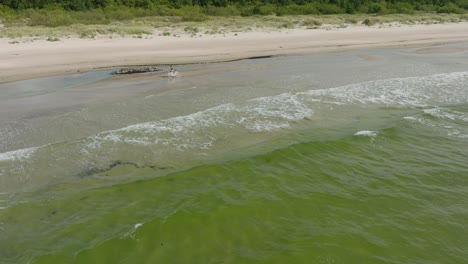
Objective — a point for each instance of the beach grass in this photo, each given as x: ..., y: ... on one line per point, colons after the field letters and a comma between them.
x: 200, y: 24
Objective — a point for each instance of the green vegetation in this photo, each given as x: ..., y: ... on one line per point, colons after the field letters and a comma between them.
x: 66, y: 12
x: 246, y: 7
x: 94, y: 18
x: 174, y: 25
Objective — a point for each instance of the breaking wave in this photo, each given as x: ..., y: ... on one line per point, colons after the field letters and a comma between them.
x: 206, y: 129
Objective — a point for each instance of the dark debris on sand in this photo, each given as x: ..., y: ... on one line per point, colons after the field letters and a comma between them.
x: 136, y: 69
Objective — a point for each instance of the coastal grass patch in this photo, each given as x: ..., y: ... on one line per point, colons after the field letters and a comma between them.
x: 134, y: 31
x: 22, y: 31
x: 56, y: 15
x: 369, y: 22
x: 191, y: 30
x: 422, y: 18
x: 53, y: 39
x: 19, y: 27
x: 88, y: 34
x: 47, y: 17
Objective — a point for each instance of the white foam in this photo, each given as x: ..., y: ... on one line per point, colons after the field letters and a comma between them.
x: 443, y: 120
x: 285, y: 106
x: 445, y: 113
x: 184, y: 132
x: 410, y: 118
x: 277, y: 112
x: 366, y: 133
x: 20, y: 154
x: 424, y: 121
x: 131, y: 232
x: 449, y: 88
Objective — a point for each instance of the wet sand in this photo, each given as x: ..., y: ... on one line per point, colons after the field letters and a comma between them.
x: 42, y: 58
x: 440, y: 50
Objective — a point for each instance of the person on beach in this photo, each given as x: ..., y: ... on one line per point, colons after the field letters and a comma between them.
x: 172, y: 72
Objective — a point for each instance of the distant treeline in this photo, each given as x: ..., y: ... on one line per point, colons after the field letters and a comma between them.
x: 252, y: 7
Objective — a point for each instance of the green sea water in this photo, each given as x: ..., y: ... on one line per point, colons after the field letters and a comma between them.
x: 327, y: 158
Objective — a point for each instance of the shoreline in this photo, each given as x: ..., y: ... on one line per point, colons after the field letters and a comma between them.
x: 43, y: 58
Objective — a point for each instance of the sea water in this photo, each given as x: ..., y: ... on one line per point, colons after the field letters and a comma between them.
x: 348, y: 157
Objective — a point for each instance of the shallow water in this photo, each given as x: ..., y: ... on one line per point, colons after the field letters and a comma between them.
x: 351, y: 157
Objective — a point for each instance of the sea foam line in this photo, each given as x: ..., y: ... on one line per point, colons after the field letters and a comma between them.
x: 366, y: 133
x: 131, y: 232
x: 257, y: 115
x: 19, y: 154
x: 445, y: 113
x: 276, y: 112
x: 420, y: 91
x: 269, y: 113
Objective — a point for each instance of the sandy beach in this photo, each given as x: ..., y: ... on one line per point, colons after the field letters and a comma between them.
x: 25, y: 60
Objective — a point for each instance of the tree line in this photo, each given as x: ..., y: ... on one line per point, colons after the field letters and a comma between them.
x: 255, y: 6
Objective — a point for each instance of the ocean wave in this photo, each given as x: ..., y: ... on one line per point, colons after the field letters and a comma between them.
x: 257, y: 115
x: 270, y: 113
x: 447, y: 121
x: 445, y: 113
x: 160, y: 141
x: 20, y: 154
x: 164, y: 140
x: 421, y: 91
x: 366, y: 133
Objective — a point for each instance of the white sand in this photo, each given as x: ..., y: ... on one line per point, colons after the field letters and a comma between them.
x: 44, y: 58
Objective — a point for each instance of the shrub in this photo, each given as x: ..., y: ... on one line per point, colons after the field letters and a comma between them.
x: 88, y: 34
x: 5, y: 10
x: 96, y: 16
x: 426, y: 8
x: 192, y: 13
x: 327, y: 9
x: 378, y: 8
x: 161, y: 10
x: 308, y: 9
x: 222, y: 11
x: 312, y: 22
x: 369, y: 22
x: 450, y: 8
x: 286, y: 25
x: 7, y: 15
x: 462, y: 3
x: 403, y: 8
x: 50, y: 18
x: 118, y: 13
x: 351, y: 20
x: 267, y: 9
x: 246, y: 10
x: 191, y: 30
